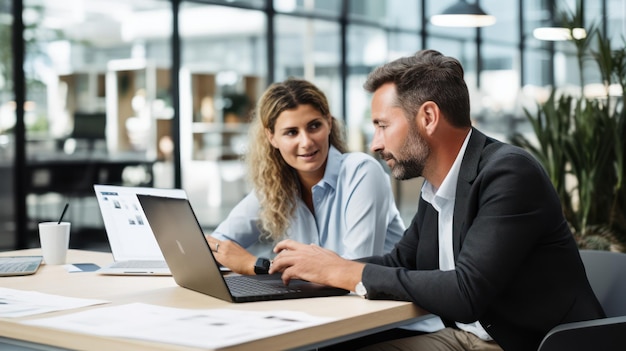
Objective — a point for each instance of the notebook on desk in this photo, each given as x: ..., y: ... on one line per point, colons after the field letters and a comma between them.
x: 194, y: 267
x: 134, y: 249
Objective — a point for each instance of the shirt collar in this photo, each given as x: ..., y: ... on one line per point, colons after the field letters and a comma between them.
x: 333, y: 163
x: 448, y: 186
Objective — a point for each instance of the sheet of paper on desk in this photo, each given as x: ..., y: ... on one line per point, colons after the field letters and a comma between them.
x: 208, y: 328
x: 20, y: 303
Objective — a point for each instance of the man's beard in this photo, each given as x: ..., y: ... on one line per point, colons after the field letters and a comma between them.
x: 411, y: 158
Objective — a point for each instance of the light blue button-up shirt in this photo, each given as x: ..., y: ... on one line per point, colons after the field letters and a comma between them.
x: 355, y: 212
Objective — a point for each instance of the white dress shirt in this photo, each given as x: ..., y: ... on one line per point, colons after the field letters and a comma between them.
x: 443, y: 200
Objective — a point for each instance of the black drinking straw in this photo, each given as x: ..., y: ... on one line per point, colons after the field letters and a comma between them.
x: 63, y: 213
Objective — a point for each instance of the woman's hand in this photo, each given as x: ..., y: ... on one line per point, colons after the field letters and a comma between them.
x: 231, y: 255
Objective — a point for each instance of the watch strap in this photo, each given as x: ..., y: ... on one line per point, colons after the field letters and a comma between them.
x: 262, y: 265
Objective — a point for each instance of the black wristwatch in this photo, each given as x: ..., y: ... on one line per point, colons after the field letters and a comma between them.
x: 262, y: 265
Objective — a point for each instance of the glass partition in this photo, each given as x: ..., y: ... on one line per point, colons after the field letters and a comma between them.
x: 495, y: 104
x: 393, y: 31
x: 223, y: 73
x: 390, y: 13
x: 367, y: 49
x: 326, y: 8
x: 616, y: 24
x: 98, y: 96
x: 310, y: 49
x: 506, y: 28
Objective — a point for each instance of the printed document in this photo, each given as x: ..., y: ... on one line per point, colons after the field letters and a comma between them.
x: 20, y: 303
x: 205, y: 328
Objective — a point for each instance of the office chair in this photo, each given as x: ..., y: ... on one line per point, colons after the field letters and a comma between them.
x: 606, y: 272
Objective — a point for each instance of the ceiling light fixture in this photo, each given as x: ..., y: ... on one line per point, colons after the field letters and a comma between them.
x: 463, y: 14
x: 559, y: 33
x: 561, y: 25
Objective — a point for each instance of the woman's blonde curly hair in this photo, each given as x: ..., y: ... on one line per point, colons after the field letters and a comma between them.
x: 275, y: 182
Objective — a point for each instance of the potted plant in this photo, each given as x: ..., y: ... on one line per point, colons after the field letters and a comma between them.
x: 580, y: 142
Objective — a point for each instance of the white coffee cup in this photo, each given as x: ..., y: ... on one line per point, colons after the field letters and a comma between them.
x: 54, y: 238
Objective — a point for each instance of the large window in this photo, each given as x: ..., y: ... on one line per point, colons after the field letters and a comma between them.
x: 616, y: 12
x: 104, y: 87
x: 324, y: 8
x: 223, y: 73
x: 378, y: 31
x: 496, y: 101
x: 310, y: 49
x: 98, y: 96
x: 367, y: 48
x: 389, y: 13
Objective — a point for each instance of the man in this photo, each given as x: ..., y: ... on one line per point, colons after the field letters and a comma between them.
x: 488, y: 251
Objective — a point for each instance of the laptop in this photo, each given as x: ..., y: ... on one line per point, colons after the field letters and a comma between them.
x: 134, y: 249
x: 19, y: 265
x: 194, y: 267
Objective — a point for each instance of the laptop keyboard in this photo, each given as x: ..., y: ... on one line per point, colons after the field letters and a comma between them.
x: 139, y: 264
x: 240, y: 285
x: 18, y: 265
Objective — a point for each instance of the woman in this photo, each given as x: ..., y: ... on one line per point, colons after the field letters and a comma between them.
x: 306, y: 187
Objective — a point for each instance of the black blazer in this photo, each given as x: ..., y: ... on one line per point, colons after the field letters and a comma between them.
x: 518, y: 270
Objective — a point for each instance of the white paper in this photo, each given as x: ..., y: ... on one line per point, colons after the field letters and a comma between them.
x: 70, y: 268
x: 207, y: 328
x: 20, y: 303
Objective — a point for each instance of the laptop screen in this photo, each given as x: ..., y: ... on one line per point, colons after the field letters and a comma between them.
x: 129, y: 234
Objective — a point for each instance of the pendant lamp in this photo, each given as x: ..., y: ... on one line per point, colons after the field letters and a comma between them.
x: 559, y: 33
x: 463, y: 14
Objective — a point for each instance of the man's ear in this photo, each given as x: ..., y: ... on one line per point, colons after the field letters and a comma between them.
x: 270, y: 137
x: 430, y: 116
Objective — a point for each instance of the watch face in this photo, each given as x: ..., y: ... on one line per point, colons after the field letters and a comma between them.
x: 262, y: 266
x: 360, y: 290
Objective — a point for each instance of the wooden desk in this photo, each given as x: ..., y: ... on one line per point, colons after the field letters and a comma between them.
x: 356, y: 316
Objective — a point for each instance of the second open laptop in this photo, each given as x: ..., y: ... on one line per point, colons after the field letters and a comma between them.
x: 134, y: 249
x: 194, y: 267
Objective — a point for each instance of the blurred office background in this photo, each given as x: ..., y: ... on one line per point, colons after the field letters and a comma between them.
x: 159, y: 93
